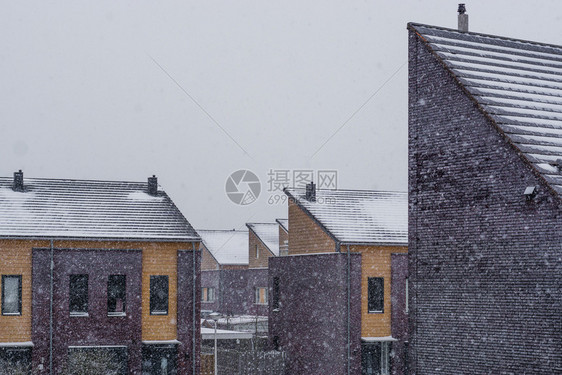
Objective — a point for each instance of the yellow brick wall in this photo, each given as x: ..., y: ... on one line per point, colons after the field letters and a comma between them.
x: 15, y: 259
x: 283, y: 236
x: 305, y: 236
x: 262, y: 261
x: 158, y: 258
x: 207, y: 260
x: 375, y: 262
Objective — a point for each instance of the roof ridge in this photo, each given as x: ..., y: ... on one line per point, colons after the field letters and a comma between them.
x: 76, y: 180
x: 414, y: 24
x: 354, y: 190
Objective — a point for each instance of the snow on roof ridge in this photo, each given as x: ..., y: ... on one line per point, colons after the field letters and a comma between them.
x: 416, y: 24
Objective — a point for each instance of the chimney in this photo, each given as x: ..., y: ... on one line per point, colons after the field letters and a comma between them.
x: 153, y: 185
x: 311, y: 192
x: 463, y: 19
x: 18, y: 181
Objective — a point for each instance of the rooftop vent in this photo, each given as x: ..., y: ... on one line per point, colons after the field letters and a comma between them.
x: 557, y: 164
x: 18, y: 181
x: 310, y: 192
x: 463, y: 19
x: 153, y: 185
x: 530, y: 192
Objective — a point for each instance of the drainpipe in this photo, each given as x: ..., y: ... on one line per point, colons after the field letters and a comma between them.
x: 194, y: 310
x: 348, y: 312
x: 52, y: 265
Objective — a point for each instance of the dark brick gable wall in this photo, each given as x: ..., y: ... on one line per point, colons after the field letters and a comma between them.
x: 485, y: 264
x: 311, y: 323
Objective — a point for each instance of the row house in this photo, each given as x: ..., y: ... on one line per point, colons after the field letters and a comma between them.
x: 264, y: 245
x: 224, y: 260
x: 235, y: 266
x: 338, y: 299
x: 485, y: 185
x: 97, y: 273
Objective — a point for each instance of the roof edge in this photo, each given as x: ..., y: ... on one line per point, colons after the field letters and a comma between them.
x: 100, y: 239
x: 259, y: 238
x: 412, y: 25
x: 309, y: 214
x: 538, y: 175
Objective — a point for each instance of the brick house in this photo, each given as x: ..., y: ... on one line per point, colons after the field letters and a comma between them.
x: 97, y: 269
x: 338, y: 299
x: 263, y: 246
x: 224, y: 261
x: 283, y: 236
x: 485, y: 193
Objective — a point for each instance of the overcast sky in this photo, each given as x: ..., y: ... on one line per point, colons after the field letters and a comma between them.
x: 193, y: 91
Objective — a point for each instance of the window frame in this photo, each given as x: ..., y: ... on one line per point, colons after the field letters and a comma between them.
x: 257, y: 295
x: 19, y: 295
x: 152, y: 302
x: 371, y: 301
x: 124, y: 293
x: 71, y: 296
x: 206, y: 296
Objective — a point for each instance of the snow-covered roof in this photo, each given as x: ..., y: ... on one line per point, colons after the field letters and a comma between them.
x: 284, y: 224
x: 517, y: 83
x: 80, y: 209
x: 358, y: 216
x: 268, y: 233
x: 227, y: 246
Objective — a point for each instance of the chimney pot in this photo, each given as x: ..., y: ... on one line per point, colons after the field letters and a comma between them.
x: 153, y: 185
x: 463, y: 19
x: 311, y: 192
x: 18, y: 181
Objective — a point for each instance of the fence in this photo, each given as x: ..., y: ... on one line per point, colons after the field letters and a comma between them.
x: 237, y: 362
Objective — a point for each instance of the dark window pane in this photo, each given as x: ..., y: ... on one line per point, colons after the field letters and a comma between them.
x: 159, y: 295
x: 376, y: 294
x: 78, y: 292
x: 116, y: 294
x: 11, y: 294
x: 275, y: 300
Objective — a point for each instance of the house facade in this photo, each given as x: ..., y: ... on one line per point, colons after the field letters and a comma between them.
x: 224, y: 262
x: 485, y: 188
x: 263, y: 246
x: 336, y: 296
x: 97, y: 273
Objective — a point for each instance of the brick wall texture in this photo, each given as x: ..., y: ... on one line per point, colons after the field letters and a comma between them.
x: 485, y: 264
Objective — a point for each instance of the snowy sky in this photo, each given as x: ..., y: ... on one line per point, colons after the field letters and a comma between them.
x: 192, y: 91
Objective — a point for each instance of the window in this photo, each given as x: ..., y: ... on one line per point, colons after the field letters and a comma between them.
x: 158, y: 295
x: 257, y: 251
x: 116, y: 295
x: 207, y: 294
x: 11, y: 294
x: 376, y: 294
x: 275, y: 301
x: 375, y: 358
x: 261, y: 296
x: 78, y: 293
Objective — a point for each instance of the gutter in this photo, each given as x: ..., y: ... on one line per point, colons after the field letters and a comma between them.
x: 99, y: 239
x: 194, y: 311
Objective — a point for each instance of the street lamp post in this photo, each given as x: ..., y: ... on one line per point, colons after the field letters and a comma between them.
x: 215, y: 316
